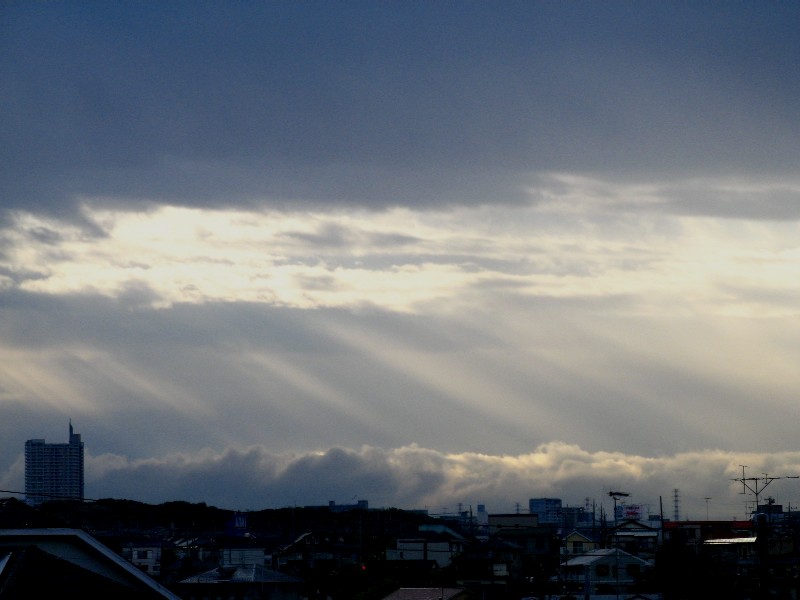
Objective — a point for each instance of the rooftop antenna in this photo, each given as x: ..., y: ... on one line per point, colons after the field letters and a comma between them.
x: 616, y: 496
x: 757, y: 485
x: 676, y: 504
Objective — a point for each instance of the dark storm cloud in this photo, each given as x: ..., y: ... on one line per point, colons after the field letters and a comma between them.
x: 17, y: 276
x: 776, y: 202
x: 390, y: 103
x: 257, y: 478
x: 414, y: 477
x: 756, y: 196
x: 328, y: 236
x: 335, y: 236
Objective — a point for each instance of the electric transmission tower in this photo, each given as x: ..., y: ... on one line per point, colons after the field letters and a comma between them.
x: 676, y: 504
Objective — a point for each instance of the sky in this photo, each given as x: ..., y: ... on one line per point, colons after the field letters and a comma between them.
x: 427, y: 254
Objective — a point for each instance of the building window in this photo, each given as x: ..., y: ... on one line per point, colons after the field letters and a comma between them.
x: 601, y: 570
x: 577, y: 547
x: 632, y: 570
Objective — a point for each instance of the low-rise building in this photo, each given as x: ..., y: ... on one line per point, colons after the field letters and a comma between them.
x: 243, y: 582
x: 576, y: 543
x: 438, y: 546
x: 500, y: 522
x: 603, y: 570
x: 438, y: 593
x: 144, y: 552
x: 635, y: 537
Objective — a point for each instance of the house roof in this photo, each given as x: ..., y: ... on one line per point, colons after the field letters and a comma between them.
x: 47, y: 556
x: 443, y: 529
x: 242, y: 574
x: 425, y: 594
x: 432, y: 536
x: 740, y: 540
x: 143, y: 541
x: 28, y: 572
x: 593, y: 556
x: 633, y: 525
x: 577, y: 534
x: 746, y: 525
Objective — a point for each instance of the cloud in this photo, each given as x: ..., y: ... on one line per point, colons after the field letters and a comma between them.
x: 582, y: 238
x: 254, y: 478
x: 751, y: 198
x: 222, y: 327
x: 417, y: 477
x: 409, y: 105
x: 305, y: 226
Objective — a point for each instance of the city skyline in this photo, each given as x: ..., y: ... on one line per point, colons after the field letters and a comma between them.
x: 269, y: 254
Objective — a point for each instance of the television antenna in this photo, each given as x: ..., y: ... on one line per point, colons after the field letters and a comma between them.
x: 616, y: 496
x: 757, y: 485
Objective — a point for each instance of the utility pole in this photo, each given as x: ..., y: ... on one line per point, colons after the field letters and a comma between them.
x: 616, y: 496
x: 756, y: 486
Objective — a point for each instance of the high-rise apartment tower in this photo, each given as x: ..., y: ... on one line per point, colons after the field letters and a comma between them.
x: 54, y: 471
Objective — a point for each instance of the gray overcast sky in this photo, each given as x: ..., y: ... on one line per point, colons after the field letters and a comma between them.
x: 423, y: 253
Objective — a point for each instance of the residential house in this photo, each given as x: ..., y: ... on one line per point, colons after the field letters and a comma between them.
x: 439, y: 546
x: 145, y: 553
x: 575, y: 543
x: 635, y: 537
x: 501, y: 522
x: 243, y: 582
x: 438, y: 593
x: 244, y: 550
x: 603, y: 570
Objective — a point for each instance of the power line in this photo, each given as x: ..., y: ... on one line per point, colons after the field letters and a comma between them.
x: 54, y: 496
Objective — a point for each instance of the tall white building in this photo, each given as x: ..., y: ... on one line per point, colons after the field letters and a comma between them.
x: 54, y: 471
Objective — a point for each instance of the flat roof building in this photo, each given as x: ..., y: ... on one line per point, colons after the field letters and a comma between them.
x: 54, y: 471
x: 547, y: 509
